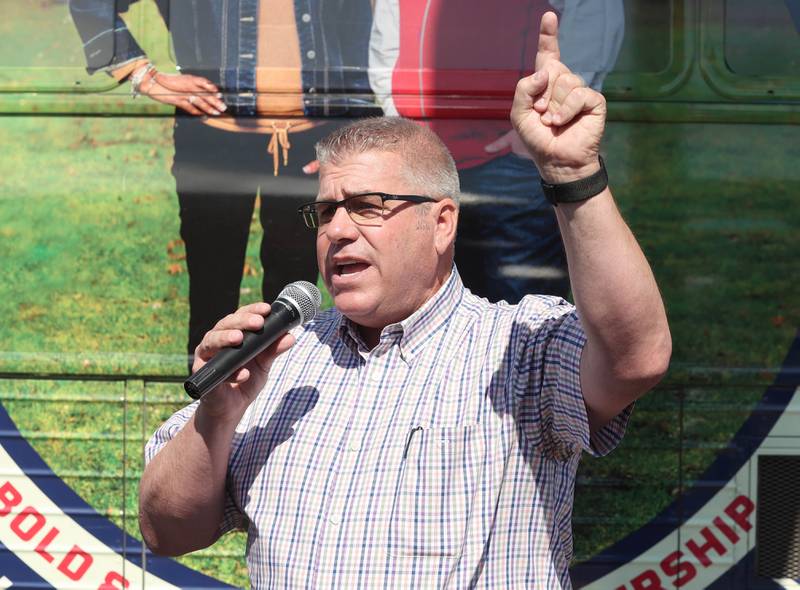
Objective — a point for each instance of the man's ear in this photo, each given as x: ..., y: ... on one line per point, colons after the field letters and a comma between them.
x: 446, y: 219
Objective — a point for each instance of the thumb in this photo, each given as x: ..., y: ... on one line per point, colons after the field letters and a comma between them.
x: 499, y: 144
x: 312, y: 167
x: 265, y: 359
x: 529, y: 90
x: 284, y: 343
x: 541, y: 83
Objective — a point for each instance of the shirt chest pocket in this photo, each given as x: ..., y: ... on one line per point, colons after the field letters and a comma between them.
x: 437, y: 491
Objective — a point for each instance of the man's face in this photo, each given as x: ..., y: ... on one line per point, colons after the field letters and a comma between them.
x: 379, y: 273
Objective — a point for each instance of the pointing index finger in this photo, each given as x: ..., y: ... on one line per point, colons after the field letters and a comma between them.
x: 548, y: 40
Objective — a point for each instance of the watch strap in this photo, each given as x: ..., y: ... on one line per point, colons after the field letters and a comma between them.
x: 577, y: 190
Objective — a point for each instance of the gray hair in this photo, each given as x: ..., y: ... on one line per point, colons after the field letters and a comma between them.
x: 428, y: 164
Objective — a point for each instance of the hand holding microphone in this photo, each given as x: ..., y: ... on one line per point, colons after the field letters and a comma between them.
x: 226, y: 352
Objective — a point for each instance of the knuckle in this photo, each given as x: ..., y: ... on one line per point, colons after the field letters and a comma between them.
x: 224, y: 321
x: 568, y: 82
x: 580, y: 95
x: 253, y: 318
x: 575, y: 79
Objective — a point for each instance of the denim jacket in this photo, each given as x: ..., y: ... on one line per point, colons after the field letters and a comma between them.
x: 218, y: 39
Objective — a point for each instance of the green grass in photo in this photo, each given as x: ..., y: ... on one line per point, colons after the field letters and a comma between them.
x: 95, y: 283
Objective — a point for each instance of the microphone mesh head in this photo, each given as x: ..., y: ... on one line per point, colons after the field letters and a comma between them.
x: 306, y: 298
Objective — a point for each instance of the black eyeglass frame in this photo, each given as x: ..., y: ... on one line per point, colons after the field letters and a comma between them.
x: 308, y: 210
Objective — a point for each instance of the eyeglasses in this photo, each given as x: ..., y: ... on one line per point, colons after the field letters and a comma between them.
x: 364, y: 209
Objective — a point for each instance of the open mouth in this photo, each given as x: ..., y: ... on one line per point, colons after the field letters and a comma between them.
x: 350, y: 268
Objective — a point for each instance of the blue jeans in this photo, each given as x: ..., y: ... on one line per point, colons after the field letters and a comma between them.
x: 508, y: 242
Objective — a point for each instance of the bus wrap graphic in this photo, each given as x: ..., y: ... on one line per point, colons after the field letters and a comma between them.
x: 51, y: 538
x: 714, y: 545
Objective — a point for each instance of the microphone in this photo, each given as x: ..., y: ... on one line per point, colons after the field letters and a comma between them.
x: 297, y: 304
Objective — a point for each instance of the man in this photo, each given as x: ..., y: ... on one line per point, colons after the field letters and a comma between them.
x: 253, y: 74
x: 424, y: 52
x: 416, y: 435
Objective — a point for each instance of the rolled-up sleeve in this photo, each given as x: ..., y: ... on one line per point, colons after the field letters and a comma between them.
x: 547, y: 385
x: 107, y: 42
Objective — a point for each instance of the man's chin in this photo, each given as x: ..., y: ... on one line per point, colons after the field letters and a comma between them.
x: 356, y: 308
x: 352, y: 304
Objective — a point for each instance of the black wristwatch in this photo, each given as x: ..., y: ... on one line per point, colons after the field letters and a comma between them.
x: 577, y: 190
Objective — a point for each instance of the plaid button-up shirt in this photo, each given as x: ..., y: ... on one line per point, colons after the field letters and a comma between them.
x: 443, y: 457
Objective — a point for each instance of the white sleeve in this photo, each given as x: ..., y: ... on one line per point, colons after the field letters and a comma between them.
x: 590, y: 36
x: 384, y: 49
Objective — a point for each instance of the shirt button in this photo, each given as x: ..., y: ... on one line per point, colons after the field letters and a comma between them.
x: 306, y: 18
x: 334, y: 520
x: 311, y: 54
x: 354, y: 446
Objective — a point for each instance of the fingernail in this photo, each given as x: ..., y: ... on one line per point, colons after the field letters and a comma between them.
x: 306, y: 169
x: 541, y: 102
x: 490, y: 148
x: 223, y: 107
x: 216, y: 112
x: 557, y: 118
x: 538, y: 75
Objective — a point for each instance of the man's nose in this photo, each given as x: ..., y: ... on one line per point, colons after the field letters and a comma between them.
x: 341, y: 227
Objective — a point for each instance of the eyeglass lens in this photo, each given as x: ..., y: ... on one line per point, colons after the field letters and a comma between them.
x: 362, y: 209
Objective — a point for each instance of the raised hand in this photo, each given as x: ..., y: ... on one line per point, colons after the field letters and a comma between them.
x: 194, y: 94
x: 558, y: 117
x: 509, y: 140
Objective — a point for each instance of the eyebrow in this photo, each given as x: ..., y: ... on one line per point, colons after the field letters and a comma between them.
x: 351, y: 193
x: 348, y: 193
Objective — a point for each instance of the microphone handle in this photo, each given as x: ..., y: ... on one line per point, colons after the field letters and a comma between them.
x: 282, y: 318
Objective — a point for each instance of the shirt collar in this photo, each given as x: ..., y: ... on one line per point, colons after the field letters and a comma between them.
x: 414, y: 332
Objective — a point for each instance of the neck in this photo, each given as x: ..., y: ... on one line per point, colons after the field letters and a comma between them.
x: 372, y: 335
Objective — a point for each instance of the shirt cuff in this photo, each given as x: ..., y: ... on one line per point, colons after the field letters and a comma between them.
x: 122, y: 71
